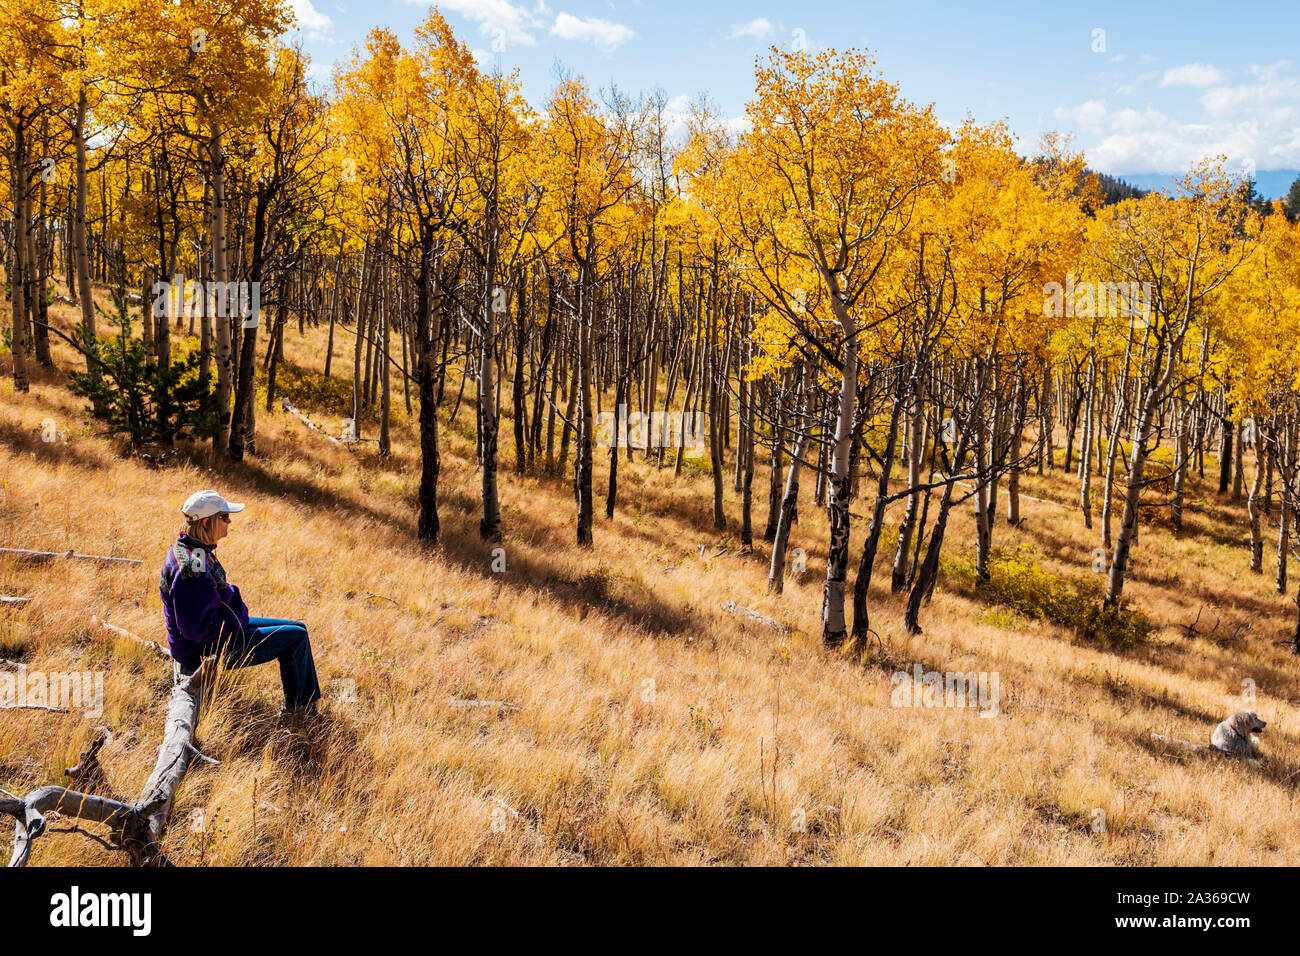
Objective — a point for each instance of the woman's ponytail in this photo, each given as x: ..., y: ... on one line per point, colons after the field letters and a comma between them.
x: 200, y: 529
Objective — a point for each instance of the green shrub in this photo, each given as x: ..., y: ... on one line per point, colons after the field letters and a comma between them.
x: 313, y: 390
x: 150, y: 404
x: 1018, y: 581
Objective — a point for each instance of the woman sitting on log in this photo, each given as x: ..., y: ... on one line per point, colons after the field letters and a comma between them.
x: 206, y: 616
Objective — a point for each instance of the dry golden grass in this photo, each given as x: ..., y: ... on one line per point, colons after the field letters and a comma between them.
x: 652, y: 727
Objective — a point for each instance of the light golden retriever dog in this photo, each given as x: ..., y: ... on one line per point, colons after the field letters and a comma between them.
x: 1233, y: 736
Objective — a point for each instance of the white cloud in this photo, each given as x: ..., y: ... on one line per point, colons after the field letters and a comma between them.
x: 515, y: 24
x: 1256, y: 125
x: 601, y: 34
x: 1088, y: 117
x: 1265, y: 97
x: 757, y: 28
x: 499, y: 20
x: 1271, y: 71
x: 310, y: 20
x: 1193, y: 74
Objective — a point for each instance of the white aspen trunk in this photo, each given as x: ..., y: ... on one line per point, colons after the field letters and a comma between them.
x: 386, y: 311
x: 1181, y: 462
x: 790, y: 498
x: 1253, y: 509
x: 915, y: 455
x: 1284, y: 517
x: 583, y: 465
x: 490, y: 523
x: 1017, y: 433
x: 18, y: 272
x: 1085, y: 459
x: 837, y: 552
x: 359, y: 319
x: 221, y: 273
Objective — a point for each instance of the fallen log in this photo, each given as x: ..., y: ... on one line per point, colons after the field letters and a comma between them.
x: 52, y: 555
x: 346, y: 443
x: 158, y: 648
x: 137, y: 827
x: 52, y: 710
x: 175, y: 755
x: 289, y: 407
x: 9, y: 599
x: 731, y: 607
x: 458, y: 702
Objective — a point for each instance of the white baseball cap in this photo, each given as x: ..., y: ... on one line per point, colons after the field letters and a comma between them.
x: 205, y: 504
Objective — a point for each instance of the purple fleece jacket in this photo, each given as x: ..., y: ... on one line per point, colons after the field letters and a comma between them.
x: 199, y: 605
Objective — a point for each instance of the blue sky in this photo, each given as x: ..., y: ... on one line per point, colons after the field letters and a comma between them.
x: 1158, y: 87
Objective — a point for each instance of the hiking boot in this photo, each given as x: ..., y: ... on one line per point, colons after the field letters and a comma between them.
x: 300, y: 712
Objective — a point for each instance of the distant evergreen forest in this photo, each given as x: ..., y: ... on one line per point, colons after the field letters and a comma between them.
x: 1115, y: 189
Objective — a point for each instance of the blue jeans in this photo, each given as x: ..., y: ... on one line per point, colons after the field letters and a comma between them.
x: 268, y: 639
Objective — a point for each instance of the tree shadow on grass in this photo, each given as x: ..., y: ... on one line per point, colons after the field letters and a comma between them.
x: 77, y: 453
x: 460, y: 546
x: 579, y: 591
x: 1128, y: 694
